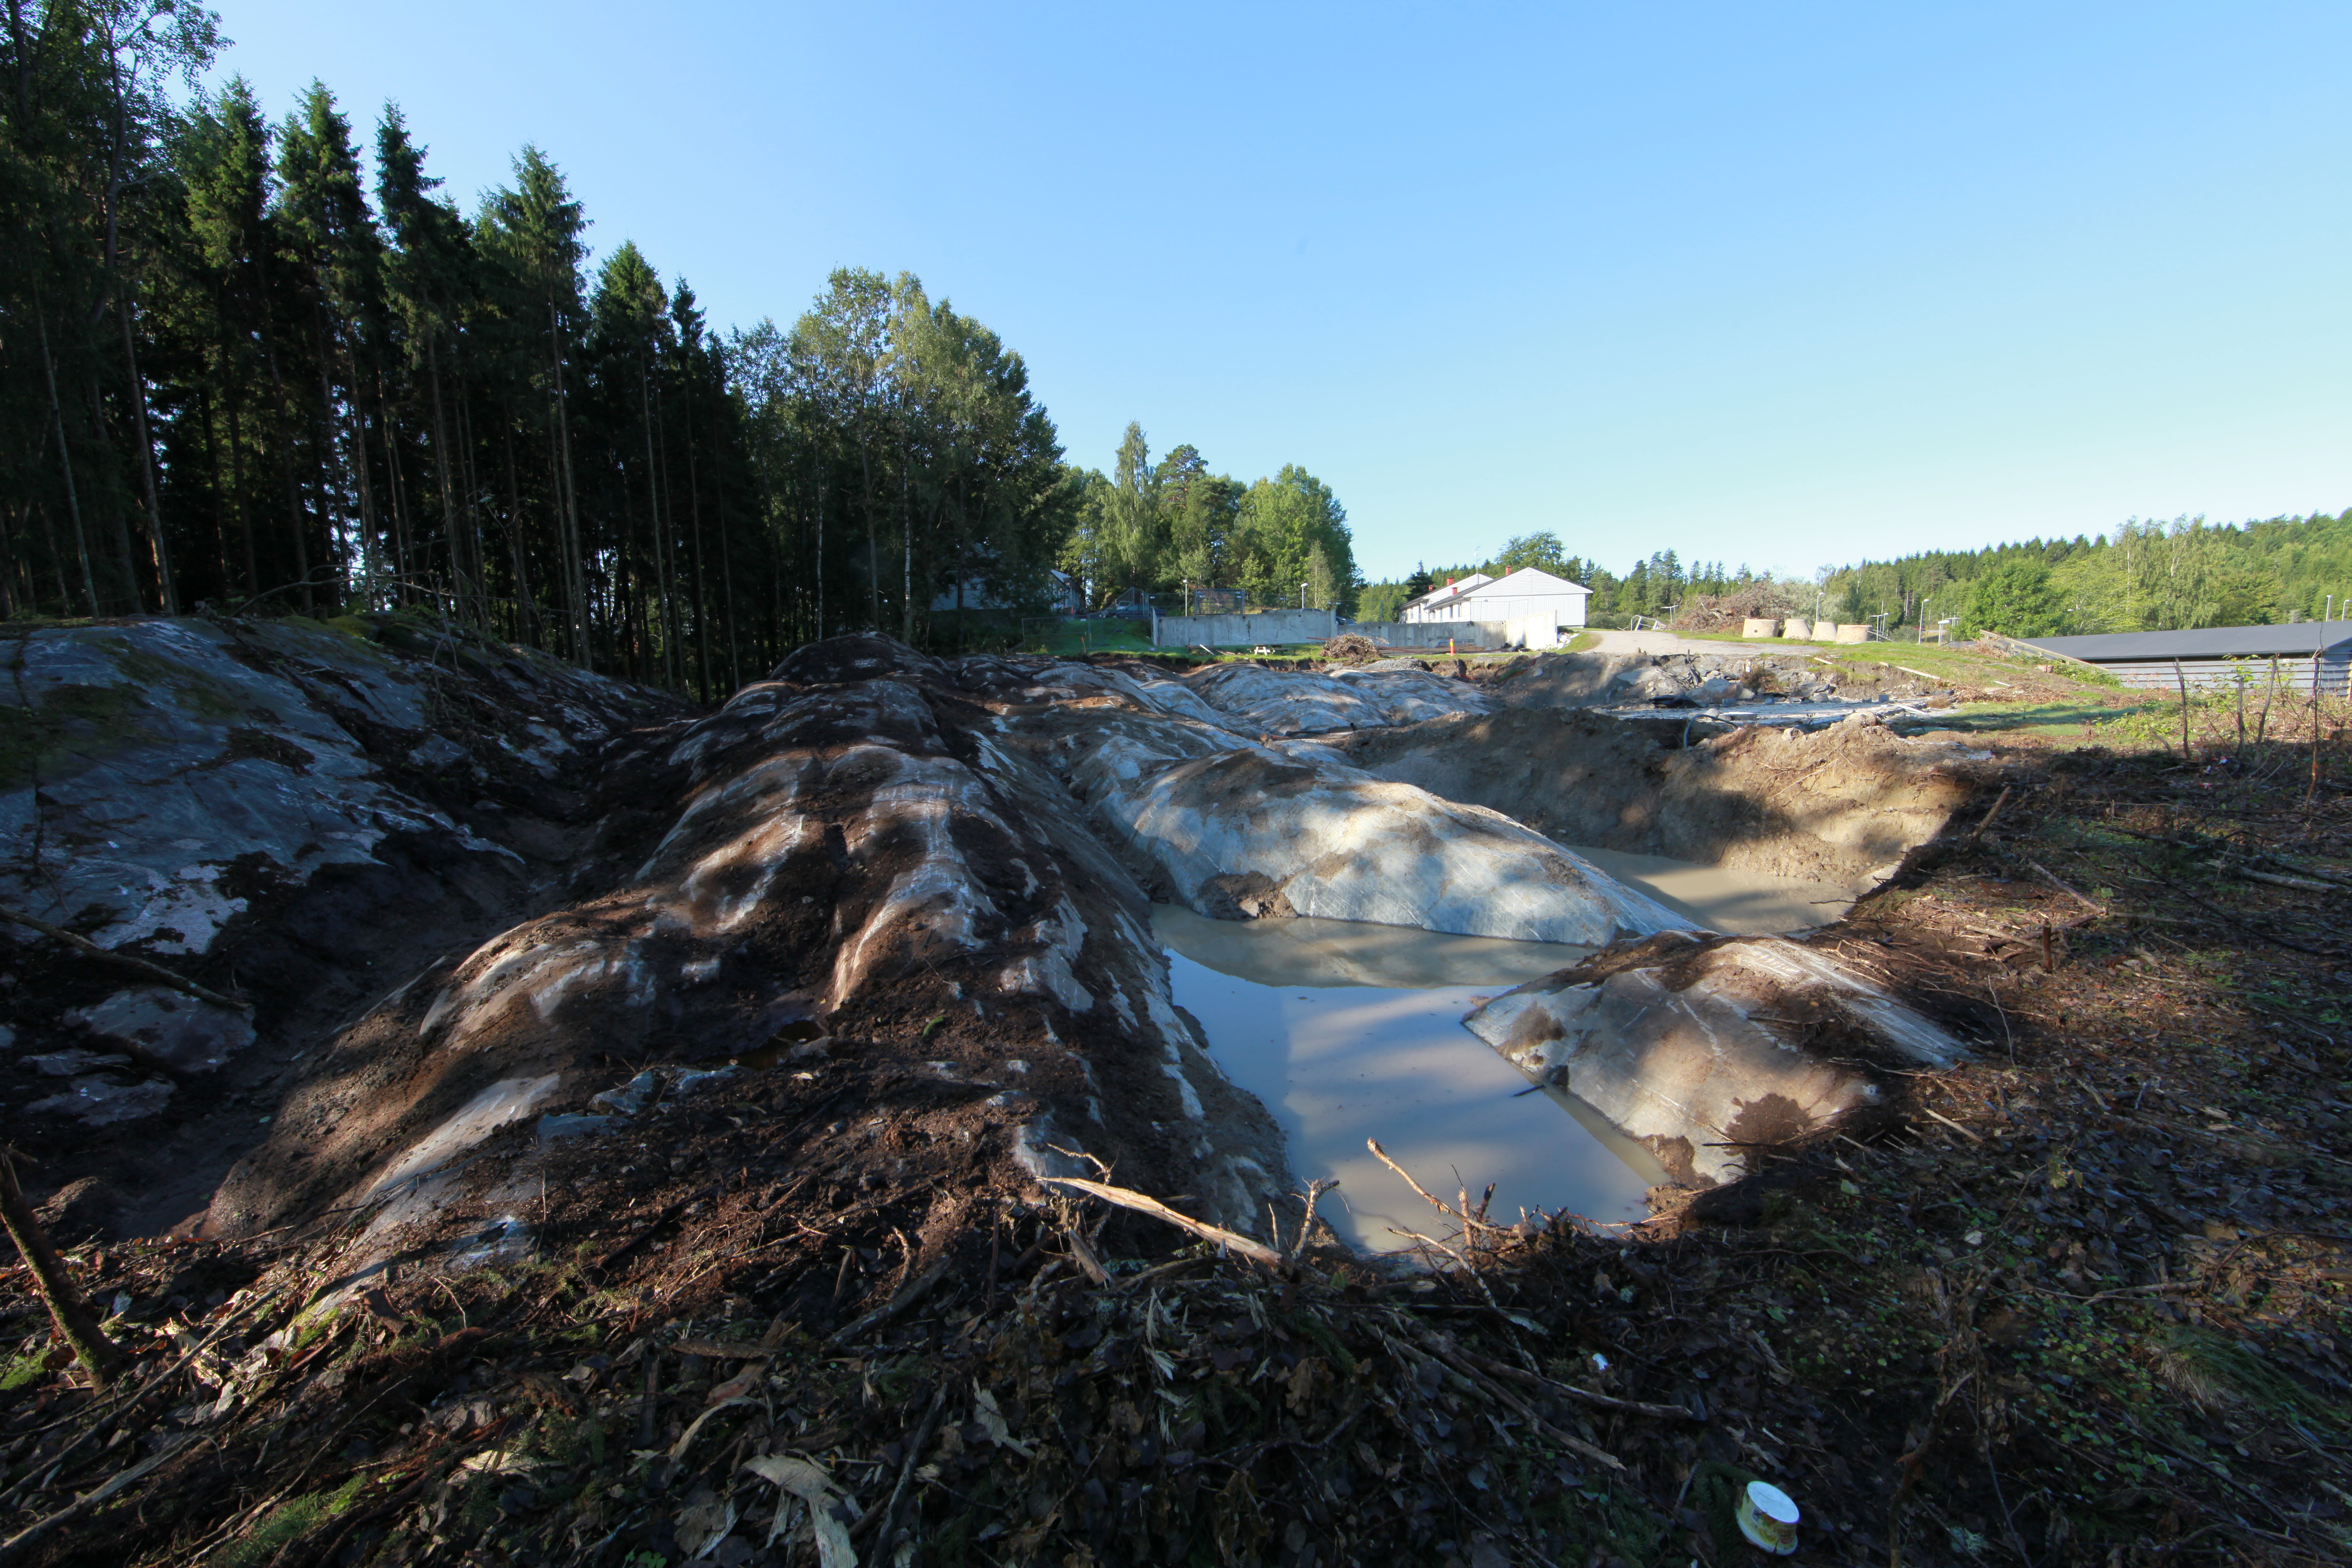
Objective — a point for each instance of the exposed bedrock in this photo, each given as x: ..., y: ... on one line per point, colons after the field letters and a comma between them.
x: 1298, y: 702
x: 1843, y: 805
x: 490, y: 909
x: 1236, y: 830
x: 1703, y: 1046
x: 282, y: 809
x: 846, y: 848
x: 1253, y: 833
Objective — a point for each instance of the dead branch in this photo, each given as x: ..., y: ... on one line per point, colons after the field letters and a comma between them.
x: 1257, y: 1252
x: 76, y: 1324
x: 89, y: 949
x: 1468, y: 1224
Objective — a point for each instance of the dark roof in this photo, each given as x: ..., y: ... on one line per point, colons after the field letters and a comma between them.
x: 2303, y: 637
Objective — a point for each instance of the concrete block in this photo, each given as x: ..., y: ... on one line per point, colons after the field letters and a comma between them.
x: 1853, y: 631
x: 1760, y: 627
x: 1800, y: 630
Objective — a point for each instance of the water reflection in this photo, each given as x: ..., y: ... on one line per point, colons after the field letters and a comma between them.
x: 1346, y: 1031
x: 1737, y: 904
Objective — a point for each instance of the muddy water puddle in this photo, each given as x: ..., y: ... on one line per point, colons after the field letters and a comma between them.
x: 1346, y: 1031
x: 1737, y: 903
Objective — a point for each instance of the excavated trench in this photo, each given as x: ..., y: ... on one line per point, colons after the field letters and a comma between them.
x: 996, y: 919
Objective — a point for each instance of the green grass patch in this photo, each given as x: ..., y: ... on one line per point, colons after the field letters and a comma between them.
x: 289, y: 1522
x: 29, y: 1367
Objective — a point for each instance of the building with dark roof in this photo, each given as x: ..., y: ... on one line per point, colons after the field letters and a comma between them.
x: 2220, y: 655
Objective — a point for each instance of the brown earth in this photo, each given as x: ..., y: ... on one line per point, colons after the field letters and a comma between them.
x: 2082, y: 1302
x: 1842, y: 805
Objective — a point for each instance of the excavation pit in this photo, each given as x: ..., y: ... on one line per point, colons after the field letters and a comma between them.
x: 1348, y: 1031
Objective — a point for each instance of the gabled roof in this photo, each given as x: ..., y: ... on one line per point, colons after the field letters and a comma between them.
x: 1527, y: 580
x: 1453, y: 590
x: 2300, y: 640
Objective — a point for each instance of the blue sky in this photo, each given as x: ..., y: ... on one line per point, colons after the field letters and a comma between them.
x: 1784, y: 285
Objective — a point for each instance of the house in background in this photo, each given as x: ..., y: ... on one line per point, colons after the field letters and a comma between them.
x: 2219, y: 656
x: 1533, y: 604
x: 1416, y: 611
x: 1062, y: 597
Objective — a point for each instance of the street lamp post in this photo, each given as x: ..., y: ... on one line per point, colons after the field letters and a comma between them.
x: 1302, y: 596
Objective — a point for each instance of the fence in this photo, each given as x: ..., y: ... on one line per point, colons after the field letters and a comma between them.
x: 2283, y: 674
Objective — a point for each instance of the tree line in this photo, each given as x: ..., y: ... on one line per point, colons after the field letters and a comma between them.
x: 247, y: 364
x: 2147, y: 575
x: 1176, y: 534
x: 1655, y: 585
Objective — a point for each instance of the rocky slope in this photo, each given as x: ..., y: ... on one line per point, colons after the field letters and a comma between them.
x: 286, y: 811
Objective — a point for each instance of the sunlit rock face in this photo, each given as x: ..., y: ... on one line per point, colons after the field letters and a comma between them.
x: 1252, y: 833
x: 183, y: 767
x: 1702, y: 1048
x: 1238, y: 830
x: 1264, y: 701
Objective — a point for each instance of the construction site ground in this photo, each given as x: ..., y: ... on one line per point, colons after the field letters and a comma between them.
x: 2082, y: 1300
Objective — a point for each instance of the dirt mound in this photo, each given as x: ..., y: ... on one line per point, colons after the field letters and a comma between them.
x: 1349, y: 648
x: 1843, y: 805
x: 835, y: 851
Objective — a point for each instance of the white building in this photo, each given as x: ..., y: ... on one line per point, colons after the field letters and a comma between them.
x: 1520, y: 597
x: 1062, y: 595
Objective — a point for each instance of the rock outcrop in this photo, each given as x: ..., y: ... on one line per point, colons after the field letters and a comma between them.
x: 279, y: 809
x: 490, y: 909
x: 1702, y: 1048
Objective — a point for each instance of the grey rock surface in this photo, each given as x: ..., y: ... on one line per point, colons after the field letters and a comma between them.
x: 1704, y: 1048
x: 178, y: 765
x: 170, y: 1028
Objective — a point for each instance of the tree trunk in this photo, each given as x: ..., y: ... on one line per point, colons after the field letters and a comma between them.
x: 76, y: 1323
x: 462, y: 570
x: 65, y: 460
x: 579, y: 584
x: 171, y: 593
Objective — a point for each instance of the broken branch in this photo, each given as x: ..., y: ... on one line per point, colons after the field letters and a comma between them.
x: 89, y: 949
x: 1257, y: 1252
x: 76, y: 1324
x: 1467, y: 1223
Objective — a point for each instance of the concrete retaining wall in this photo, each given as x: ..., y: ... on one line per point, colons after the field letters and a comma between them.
x: 1277, y: 626
x: 1274, y: 628
x: 1434, y: 634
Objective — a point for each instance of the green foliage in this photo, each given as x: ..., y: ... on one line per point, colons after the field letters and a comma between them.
x: 30, y: 1366
x: 287, y: 1522
x: 1175, y: 528
x: 285, y: 381
x: 2016, y: 600
x: 1541, y: 551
